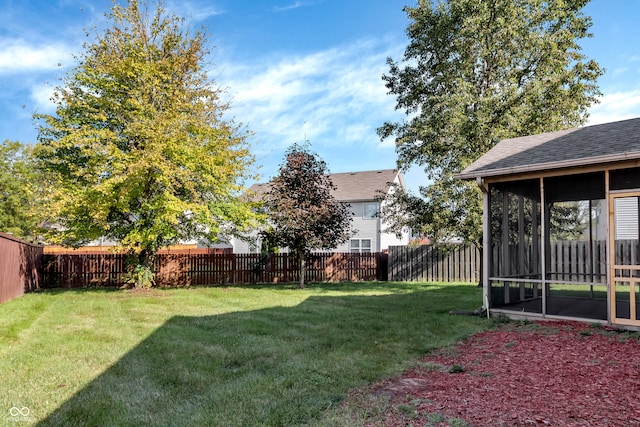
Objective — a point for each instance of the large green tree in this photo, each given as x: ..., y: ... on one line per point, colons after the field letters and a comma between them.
x: 302, y: 212
x: 475, y: 72
x: 19, y: 191
x: 140, y: 148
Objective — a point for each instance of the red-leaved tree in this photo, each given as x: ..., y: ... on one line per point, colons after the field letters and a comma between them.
x: 303, y: 214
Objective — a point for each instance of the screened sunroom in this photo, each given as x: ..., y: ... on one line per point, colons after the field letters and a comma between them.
x: 562, y: 224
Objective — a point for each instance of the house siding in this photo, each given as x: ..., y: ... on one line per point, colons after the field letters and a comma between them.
x: 366, y: 228
x: 243, y: 247
x: 390, y: 239
x: 357, y: 189
x: 626, y: 222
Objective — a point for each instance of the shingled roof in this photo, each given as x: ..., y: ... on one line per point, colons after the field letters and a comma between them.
x: 352, y: 186
x: 589, y: 145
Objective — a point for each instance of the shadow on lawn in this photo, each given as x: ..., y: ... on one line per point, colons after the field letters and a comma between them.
x: 276, y: 366
x: 348, y: 287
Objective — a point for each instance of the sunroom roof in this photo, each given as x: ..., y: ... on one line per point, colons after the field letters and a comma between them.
x: 583, y: 146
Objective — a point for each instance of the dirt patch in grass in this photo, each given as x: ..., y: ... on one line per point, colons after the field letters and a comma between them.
x: 521, y: 374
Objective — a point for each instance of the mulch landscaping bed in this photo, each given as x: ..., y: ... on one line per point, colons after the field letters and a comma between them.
x: 521, y: 374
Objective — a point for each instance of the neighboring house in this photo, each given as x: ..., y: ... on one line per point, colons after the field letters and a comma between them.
x: 361, y: 191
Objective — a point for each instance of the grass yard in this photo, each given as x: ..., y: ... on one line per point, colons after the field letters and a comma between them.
x: 237, y: 356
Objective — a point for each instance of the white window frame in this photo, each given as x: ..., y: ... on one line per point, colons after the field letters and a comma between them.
x: 368, y: 207
x: 360, y: 246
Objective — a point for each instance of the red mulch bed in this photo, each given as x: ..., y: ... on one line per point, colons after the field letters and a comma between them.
x: 522, y: 374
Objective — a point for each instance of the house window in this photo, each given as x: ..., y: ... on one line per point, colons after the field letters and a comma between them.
x: 370, y: 211
x: 360, y: 246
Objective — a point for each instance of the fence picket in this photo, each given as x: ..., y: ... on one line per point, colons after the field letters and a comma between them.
x: 434, y: 264
x: 188, y: 268
x: 567, y: 260
x: 20, y: 267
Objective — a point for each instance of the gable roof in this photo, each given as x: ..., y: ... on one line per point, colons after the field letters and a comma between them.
x: 589, y: 145
x: 352, y: 186
x: 366, y: 185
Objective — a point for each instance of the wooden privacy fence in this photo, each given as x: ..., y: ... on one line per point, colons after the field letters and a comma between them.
x: 192, y: 268
x: 572, y: 261
x: 567, y: 261
x: 586, y: 261
x: 433, y: 263
x: 19, y: 267
x: 580, y: 261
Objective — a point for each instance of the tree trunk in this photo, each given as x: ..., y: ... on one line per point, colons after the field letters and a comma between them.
x: 301, y: 260
x: 143, y: 274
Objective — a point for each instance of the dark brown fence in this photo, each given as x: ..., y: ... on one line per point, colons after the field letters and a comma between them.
x: 458, y: 263
x: 192, y: 268
x: 19, y: 267
x: 574, y: 260
x: 577, y: 261
x: 433, y: 263
x: 580, y: 261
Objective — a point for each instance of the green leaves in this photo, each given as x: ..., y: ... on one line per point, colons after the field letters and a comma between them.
x: 478, y: 71
x: 138, y: 146
x: 20, y: 191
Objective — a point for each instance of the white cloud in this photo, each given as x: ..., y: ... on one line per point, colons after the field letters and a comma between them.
x: 197, y: 11
x: 616, y: 106
x: 41, y: 95
x: 333, y: 97
x: 353, y: 133
x: 620, y: 71
x: 18, y: 56
x: 294, y: 5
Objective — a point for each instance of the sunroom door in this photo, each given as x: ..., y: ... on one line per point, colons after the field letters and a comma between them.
x: 625, y: 258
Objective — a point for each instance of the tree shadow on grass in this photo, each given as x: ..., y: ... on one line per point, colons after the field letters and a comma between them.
x: 350, y: 286
x: 277, y: 366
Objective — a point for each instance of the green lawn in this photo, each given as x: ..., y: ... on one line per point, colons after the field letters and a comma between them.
x: 238, y: 356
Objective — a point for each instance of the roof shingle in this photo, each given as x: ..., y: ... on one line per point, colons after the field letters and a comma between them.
x: 352, y: 186
x: 589, y: 145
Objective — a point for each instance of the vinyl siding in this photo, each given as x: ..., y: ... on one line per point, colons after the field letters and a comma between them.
x: 626, y: 218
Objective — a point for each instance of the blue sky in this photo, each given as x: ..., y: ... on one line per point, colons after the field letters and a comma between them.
x: 292, y: 69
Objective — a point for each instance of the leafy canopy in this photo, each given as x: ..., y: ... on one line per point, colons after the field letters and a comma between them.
x: 475, y: 72
x: 139, y: 148
x: 303, y: 213
x: 19, y: 191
